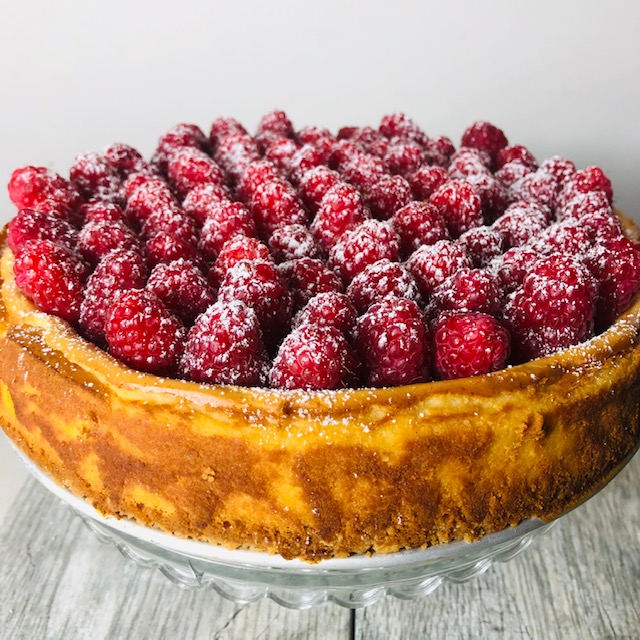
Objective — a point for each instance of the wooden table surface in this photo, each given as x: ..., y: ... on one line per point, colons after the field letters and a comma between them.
x: 580, y: 580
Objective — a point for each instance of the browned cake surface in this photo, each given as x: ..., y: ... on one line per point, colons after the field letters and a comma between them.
x: 316, y: 475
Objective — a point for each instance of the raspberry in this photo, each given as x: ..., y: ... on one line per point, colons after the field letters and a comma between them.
x: 118, y: 271
x: 52, y: 276
x: 181, y: 135
x: 329, y: 309
x: 142, y: 334
x: 512, y: 266
x: 96, y: 239
x: 582, y: 204
x: 204, y: 198
x: 492, y: 194
x: 552, y: 310
x: 467, y: 290
x: 182, y: 288
x: 486, y: 137
x: 225, y: 220
x: 274, y: 124
x: 306, y: 158
x: 37, y: 187
x: 275, y: 204
x: 600, y: 225
x: 381, y: 280
x: 467, y: 161
x: 293, y: 241
x: 367, y: 243
x: 615, y: 264
x: 149, y: 196
x: 343, y: 153
x: 313, y: 357
x: 279, y: 152
x: 469, y: 344
x: 306, y: 278
x: 317, y: 136
x: 387, y: 195
x: 483, y: 244
x: 460, y: 206
x: 135, y: 180
x: 432, y: 264
x: 235, y: 152
x: 125, y: 160
x: 172, y: 220
x: 315, y: 183
x: 560, y: 168
x: 255, y: 174
x: 369, y: 140
x: 539, y: 187
x: 98, y: 211
x: 438, y: 151
x: 426, y: 180
x: 225, y: 347
x: 404, y: 158
x: 589, y: 180
x: 189, y: 167
x: 399, y: 125
x: 392, y: 340
x: 163, y: 247
x: 516, y: 153
x: 224, y: 127
x: 510, y: 174
x: 95, y: 178
x: 260, y: 286
x: 28, y: 225
x: 521, y: 222
x: 233, y: 251
x: 568, y: 238
x: 364, y: 170
x: 341, y: 209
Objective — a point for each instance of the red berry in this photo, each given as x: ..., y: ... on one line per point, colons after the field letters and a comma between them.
x: 392, y: 340
x: 181, y: 135
x: 225, y: 347
x: 96, y: 239
x: 539, y: 187
x: 582, y: 204
x: 483, y: 244
x: 469, y: 344
x: 343, y: 153
x: 274, y: 123
x: 460, y: 206
x: 512, y: 266
x: 329, y: 309
x: 142, y: 334
x: 293, y: 241
x: 467, y: 161
x: 589, y: 180
x: 387, y: 195
x: 224, y: 221
x: 224, y: 127
x: 172, y: 220
x: 380, y: 280
x: 492, y: 194
x: 369, y: 140
x: 255, y: 174
x: 316, y: 136
x: 600, y: 225
x: 560, y: 168
x: 399, y: 125
x: 510, y: 174
x: 37, y: 187
x: 313, y: 357
x: 52, y: 276
x: 521, y: 222
x: 189, y: 167
x: 275, y: 204
x: 28, y: 225
x: 367, y: 243
x: 233, y: 251
x: 182, y: 288
x: 204, y: 198
x: 426, y: 180
x: 486, y: 137
x: 151, y: 195
x: 467, y: 290
x: 567, y: 237
x: 404, y: 158
x: 94, y: 177
x: 235, y: 152
x: 135, y: 180
x: 315, y: 183
x: 98, y: 211
x: 163, y: 247
x: 306, y: 158
x: 516, y: 153
x: 306, y: 278
x: 438, y: 151
x: 125, y: 160
x: 279, y: 152
x: 364, y: 170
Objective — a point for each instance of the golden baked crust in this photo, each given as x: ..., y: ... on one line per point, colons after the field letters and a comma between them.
x: 316, y: 475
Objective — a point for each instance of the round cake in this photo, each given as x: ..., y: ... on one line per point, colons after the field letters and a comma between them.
x: 284, y: 451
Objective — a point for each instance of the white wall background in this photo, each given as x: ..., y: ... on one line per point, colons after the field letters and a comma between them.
x: 559, y: 76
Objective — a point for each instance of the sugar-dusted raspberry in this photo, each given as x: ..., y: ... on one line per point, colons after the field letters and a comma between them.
x: 225, y: 346
x: 364, y: 170
x: 315, y: 183
x: 317, y: 136
x: 521, y: 222
x: 438, y: 151
x: 94, y: 177
x: 189, y: 167
x: 204, y: 198
x: 460, y: 206
x: 469, y: 344
x: 255, y: 174
x: 328, y: 309
x: 224, y: 221
x: 235, y: 152
x: 426, y: 180
x: 600, y: 225
x: 276, y: 204
x: 343, y: 153
x: 512, y: 266
x: 313, y: 357
x: 560, y: 168
x: 553, y: 309
x: 467, y: 290
x: 279, y: 152
x: 148, y: 197
x: 510, y: 174
x: 363, y: 245
x: 369, y: 140
x: 224, y: 127
x: 52, y: 276
x: 28, y: 225
x: 387, y: 195
x: 493, y: 195
x: 404, y: 158
x: 399, y: 125
x: 589, y: 180
x: 380, y: 280
x: 583, y: 203
x: 135, y: 180
x: 172, y: 220
x: 486, y: 137
x: 567, y: 237
x: 259, y: 284
x: 142, y: 333
x: 274, y: 124
x: 306, y: 158
x: 307, y: 277
x: 98, y: 211
x: 182, y: 288
x: 125, y: 159
x: 163, y: 247
x: 432, y: 264
x: 516, y: 153
x: 40, y: 188
x: 466, y: 161
x: 539, y: 186
x: 483, y: 244
x: 233, y: 251
x: 293, y: 241
x: 393, y: 343
x: 96, y: 239
x: 615, y: 264
x: 120, y: 270
x: 416, y: 224
x: 341, y: 209
x: 181, y: 135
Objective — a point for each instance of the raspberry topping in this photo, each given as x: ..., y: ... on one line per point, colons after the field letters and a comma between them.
x: 399, y: 125
x: 329, y: 309
x: 589, y: 180
x: 486, y: 137
x: 521, y: 222
x: 151, y: 195
x: 404, y: 158
x: 233, y: 251
x: 468, y: 344
x: 293, y: 241
x: 583, y: 204
x: 201, y: 200
x: 467, y: 290
x: 96, y: 239
x: 460, y: 206
x: 125, y: 159
x: 438, y: 151
x: 99, y: 211
x: 307, y: 277
x: 94, y: 177
x: 483, y: 244
x: 189, y: 167
x: 387, y: 195
x: 516, y: 153
x: 315, y: 183
x: 41, y: 189
x: 36, y: 225
x: 224, y: 221
x: 162, y: 247
x: 417, y: 224
x: 392, y: 341
x: 279, y: 152
x: 426, y: 180
x: 276, y: 204
x: 512, y: 266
